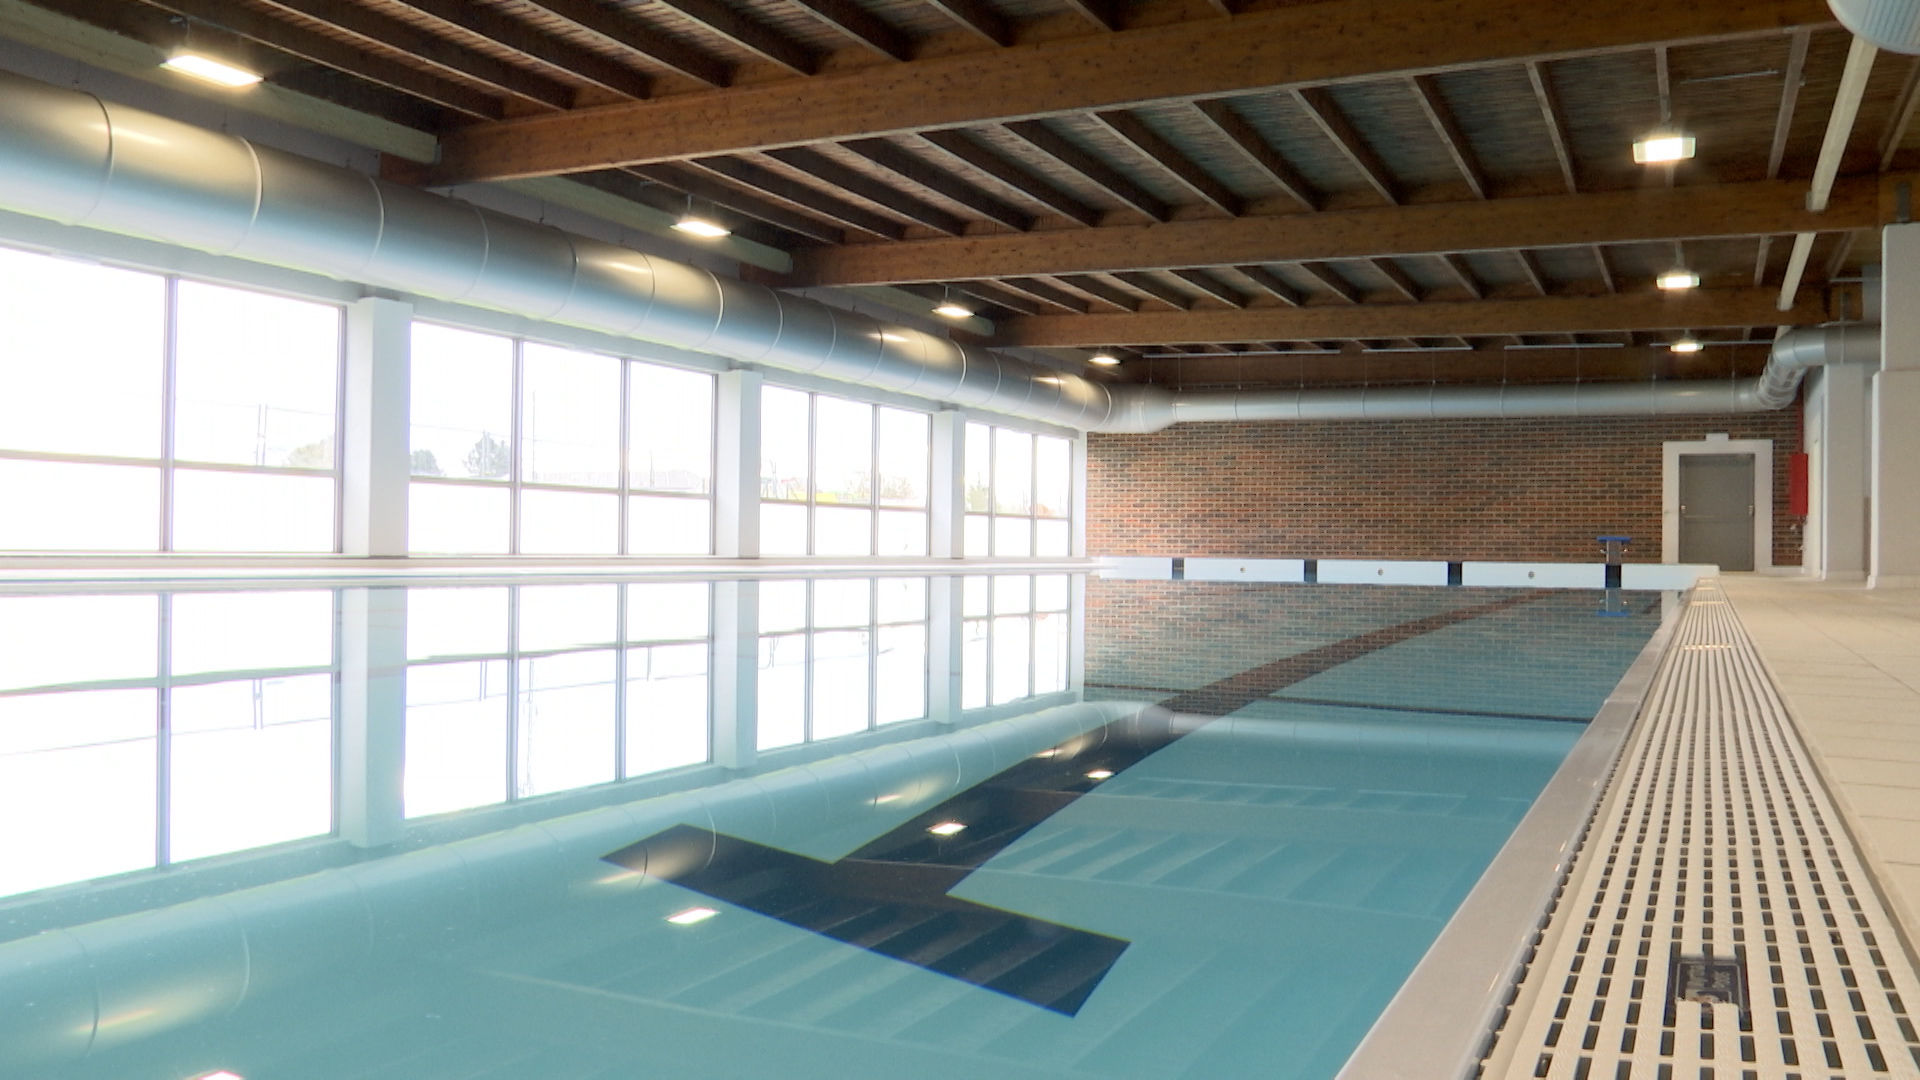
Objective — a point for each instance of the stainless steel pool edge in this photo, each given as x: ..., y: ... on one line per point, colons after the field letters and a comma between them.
x: 1437, y: 1025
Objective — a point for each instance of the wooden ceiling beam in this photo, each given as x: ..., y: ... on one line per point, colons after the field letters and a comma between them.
x: 828, y: 171
x: 642, y: 40
x: 1104, y: 14
x: 545, y: 49
x: 1306, y: 45
x: 808, y: 199
x: 702, y: 186
x: 1607, y: 277
x: 993, y: 293
x: 1150, y: 286
x: 1530, y: 265
x: 1698, y: 309
x: 1212, y: 286
x: 1426, y: 90
x: 1545, y: 221
x: 429, y: 47
x: 1901, y: 117
x: 1760, y: 261
x: 1556, y: 121
x: 1176, y: 164
x: 1334, y: 281
x: 914, y: 169
x: 344, y: 56
x: 1273, y: 285
x: 750, y: 34
x: 977, y: 17
x: 1111, y: 295
x: 1464, y: 274
x: 1242, y: 137
x: 1058, y: 147
x: 1050, y: 295
x: 1334, y: 124
x: 1789, y: 97
x: 962, y: 146
x: 1398, y: 278
x: 861, y: 26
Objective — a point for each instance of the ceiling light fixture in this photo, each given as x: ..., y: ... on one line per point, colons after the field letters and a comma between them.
x: 700, y: 225
x: 1678, y: 278
x: 1663, y: 148
x: 947, y: 828
x: 950, y: 309
x: 691, y: 915
x: 1685, y: 345
x: 207, y: 69
x: 1103, y: 359
x: 1100, y: 774
x: 218, y: 1074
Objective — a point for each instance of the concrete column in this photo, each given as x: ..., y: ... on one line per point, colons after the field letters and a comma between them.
x: 736, y: 474
x: 1893, y: 534
x: 948, y: 492
x: 376, y: 458
x: 1838, y: 401
x: 736, y: 673
x: 373, y: 714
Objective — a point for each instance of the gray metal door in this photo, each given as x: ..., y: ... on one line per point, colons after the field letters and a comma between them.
x: 1716, y: 510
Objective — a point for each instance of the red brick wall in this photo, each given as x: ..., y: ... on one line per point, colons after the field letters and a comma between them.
x: 1536, y: 490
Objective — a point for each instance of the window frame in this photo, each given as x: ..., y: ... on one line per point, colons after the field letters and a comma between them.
x: 874, y: 506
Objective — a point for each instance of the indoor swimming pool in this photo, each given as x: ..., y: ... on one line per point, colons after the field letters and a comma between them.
x: 564, y: 826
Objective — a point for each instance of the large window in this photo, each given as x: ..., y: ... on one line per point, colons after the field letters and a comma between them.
x: 841, y: 477
x: 527, y: 449
x: 144, y: 730
x: 1019, y: 494
x: 839, y: 657
x: 1014, y: 635
x: 517, y: 692
x: 147, y: 413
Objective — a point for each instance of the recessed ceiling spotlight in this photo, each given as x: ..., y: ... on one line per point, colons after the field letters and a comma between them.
x: 207, y: 69
x: 1678, y: 279
x: 947, y: 828
x: 1663, y: 148
x: 1685, y: 345
x: 1100, y: 774
x: 691, y: 915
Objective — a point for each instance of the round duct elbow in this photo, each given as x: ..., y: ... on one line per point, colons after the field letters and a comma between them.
x: 1889, y: 24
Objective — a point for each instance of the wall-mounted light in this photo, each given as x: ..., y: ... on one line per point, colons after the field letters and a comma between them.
x: 1685, y: 345
x: 207, y: 69
x: 1678, y: 278
x: 1663, y: 148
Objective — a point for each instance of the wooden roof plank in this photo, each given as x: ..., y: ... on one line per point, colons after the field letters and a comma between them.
x: 1399, y: 279
x: 1057, y: 146
x: 748, y: 33
x: 1791, y: 78
x: 911, y: 167
x: 1333, y: 122
x: 977, y: 17
x: 1153, y: 287
x: 1272, y: 284
x: 700, y: 186
x: 1212, y: 286
x: 1556, y: 120
x: 1101, y: 291
x: 829, y: 171
x: 1334, y: 281
x: 1167, y: 157
x: 1464, y: 274
x: 862, y: 26
x: 544, y: 48
x: 1426, y: 90
x: 1530, y: 265
x: 806, y: 198
x: 963, y: 147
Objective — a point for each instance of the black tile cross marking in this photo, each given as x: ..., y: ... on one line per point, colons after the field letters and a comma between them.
x: 891, y: 896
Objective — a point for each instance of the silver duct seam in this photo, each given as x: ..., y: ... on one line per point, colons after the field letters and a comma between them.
x: 73, y: 158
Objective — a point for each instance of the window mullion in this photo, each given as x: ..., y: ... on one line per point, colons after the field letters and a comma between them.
x: 169, y: 415
x: 625, y: 480
x: 515, y: 452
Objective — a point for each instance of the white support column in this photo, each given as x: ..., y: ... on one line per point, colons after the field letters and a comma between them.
x: 1839, y: 470
x: 1080, y: 496
x: 736, y: 673
x: 1893, y: 540
x: 373, y: 714
x: 948, y: 493
x: 736, y: 474
x: 943, y: 649
x: 376, y: 458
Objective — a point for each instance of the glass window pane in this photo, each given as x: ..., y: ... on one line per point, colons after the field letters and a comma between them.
x: 667, y: 526
x: 973, y: 664
x: 1012, y: 537
x: 255, y: 378
x: 565, y: 616
x: 670, y: 414
x: 1053, y: 477
x: 1052, y: 539
x: 1012, y: 471
x: 456, y: 622
x: 903, y: 532
x: 251, y: 631
x: 223, y: 511
x: 783, y: 444
x: 666, y: 708
x: 839, y: 683
x: 570, y: 420
x: 900, y: 674
x: 1012, y: 595
x: 1050, y: 592
x: 568, y: 523
x: 457, y: 519
x: 252, y: 764
x: 843, y: 451
x: 1049, y: 652
x: 461, y: 404
x: 782, y: 691
x: 72, y: 382
x: 783, y: 529
x: 76, y: 786
x: 783, y: 606
x: 56, y: 506
x: 840, y: 530
x: 902, y: 599
x: 667, y: 611
x: 974, y: 536
x: 566, y: 722
x: 979, y: 468
x: 46, y: 640
x: 1012, y: 650
x: 842, y: 603
x: 456, y: 748
x: 973, y: 595
x: 904, y: 445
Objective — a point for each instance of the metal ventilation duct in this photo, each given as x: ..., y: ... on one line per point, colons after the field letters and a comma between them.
x: 71, y: 157
x: 1888, y: 24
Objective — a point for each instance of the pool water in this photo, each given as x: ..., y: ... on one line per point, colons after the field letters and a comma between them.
x: 1214, y: 847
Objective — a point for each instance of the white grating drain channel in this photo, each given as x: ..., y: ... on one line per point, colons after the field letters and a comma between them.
x: 1715, y: 842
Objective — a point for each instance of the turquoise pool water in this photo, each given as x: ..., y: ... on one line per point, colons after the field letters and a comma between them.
x: 1205, y: 835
